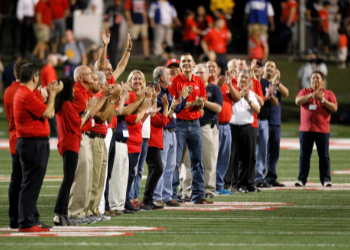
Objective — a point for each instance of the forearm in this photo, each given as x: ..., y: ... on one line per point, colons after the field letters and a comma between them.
x: 330, y: 106
x: 189, y: 104
x: 50, y: 107
x: 105, y: 113
x: 235, y: 95
x: 274, y: 101
x: 260, y: 100
x: 128, y: 17
x: 214, y: 107
x: 131, y: 107
x: 119, y: 110
x: 303, y: 99
x: 166, y: 110
x: 121, y: 65
x: 255, y: 108
x: 266, y: 52
x: 283, y: 90
x: 141, y: 115
x: 98, y: 106
x: 205, y: 47
x: 252, y: 73
x: 102, y: 58
x: 84, y: 59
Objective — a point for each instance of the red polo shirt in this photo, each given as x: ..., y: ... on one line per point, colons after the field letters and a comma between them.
x: 27, y: 111
x: 177, y: 83
x: 189, y: 34
x: 135, y: 130
x: 68, y: 126
x: 98, y: 126
x: 58, y: 7
x: 45, y: 11
x: 216, y: 40
x: 226, y: 111
x: 48, y: 74
x: 315, y: 120
x: 158, y: 122
x: 81, y: 97
x: 111, y: 81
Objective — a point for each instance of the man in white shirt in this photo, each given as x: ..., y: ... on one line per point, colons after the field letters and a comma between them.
x: 25, y: 15
x: 242, y: 149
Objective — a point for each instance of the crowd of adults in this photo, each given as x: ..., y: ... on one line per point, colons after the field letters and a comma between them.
x: 204, y: 131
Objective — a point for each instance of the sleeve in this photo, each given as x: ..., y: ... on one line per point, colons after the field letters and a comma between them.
x: 130, y: 119
x: 38, y: 94
x: 270, y: 11
x: 174, y: 12
x: 259, y: 91
x: 35, y: 106
x: 207, y: 37
x: 79, y: 102
x: 19, y: 11
x: 127, y: 5
x: 253, y: 98
x: 247, y: 8
x: 181, y: 106
x: 159, y: 120
x: 132, y: 97
x: 66, y: 4
x: 301, y: 93
x: 173, y: 88
x: 332, y: 98
x: 82, y: 47
x: 218, y: 98
x: 152, y: 10
x: 51, y: 76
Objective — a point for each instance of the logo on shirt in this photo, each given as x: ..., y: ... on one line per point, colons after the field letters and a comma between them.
x: 227, y: 91
x: 196, y: 87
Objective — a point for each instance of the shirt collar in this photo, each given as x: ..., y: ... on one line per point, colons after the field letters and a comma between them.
x: 183, y: 77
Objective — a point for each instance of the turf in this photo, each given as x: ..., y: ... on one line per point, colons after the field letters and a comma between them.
x: 314, y: 220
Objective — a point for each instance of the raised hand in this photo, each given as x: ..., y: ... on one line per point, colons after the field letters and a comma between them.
x: 156, y: 92
x: 116, y: 92
x: 250, y: 85
x: 318, y: 95
x: 185, y: 92
x: 176, y: 102
x: 165, y: 100
x: 91, y: 104
x: 153, y: 110
x: 125, y: 89
x: 129, y: 42
x: 106, y: 91
x: 220, y: 81
x: 56, y: 87
x: 253, y: 64
x: 244, y: 93
x: 141, y: 94
x: 146, y: 103
x: 228, y: 78
x: 105, y: 38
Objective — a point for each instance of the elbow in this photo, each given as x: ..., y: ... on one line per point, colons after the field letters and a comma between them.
x: 218, y: 110
x: 286, y: 94
x: 297, y: 102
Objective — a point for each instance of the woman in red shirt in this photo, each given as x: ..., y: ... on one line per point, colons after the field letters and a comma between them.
x: 190, y: 33
x: 69, y: 137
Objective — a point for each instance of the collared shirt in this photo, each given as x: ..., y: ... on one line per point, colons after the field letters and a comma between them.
x: 177, y: 83
x: 48, y: 74
x: 81, y: 96
x: 214, y: 95
x: 136, y: 8
x: 25, y: 8
x: 242, y: 112
x: 178, y: 108
x: 216, y: 40
x: 226, y: 111
x: 315, y: 120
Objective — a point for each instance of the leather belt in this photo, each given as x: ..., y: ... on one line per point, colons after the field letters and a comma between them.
x: 223, y: 123
x: 93, y: 134
x: 171, y: 130
x: 188, y: 121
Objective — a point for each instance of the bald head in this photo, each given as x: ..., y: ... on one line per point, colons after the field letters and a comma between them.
x: 52, y: 59
x: 83, y: 74
x: 213, y: 70
x: 231, y: 64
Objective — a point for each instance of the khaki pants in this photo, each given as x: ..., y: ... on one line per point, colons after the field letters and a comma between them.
x: 263, y: 28
x: 185, y: 176
x: 119, y: 177
x: 81, y: 189
x: 99, y: 158
x: 162, y: 33
x: 210, y: 137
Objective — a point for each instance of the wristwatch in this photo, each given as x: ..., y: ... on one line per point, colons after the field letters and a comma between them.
x: 112, y: 102
x: 323, y: 101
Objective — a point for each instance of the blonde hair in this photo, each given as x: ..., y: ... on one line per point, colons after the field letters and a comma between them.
x: 131, y: 75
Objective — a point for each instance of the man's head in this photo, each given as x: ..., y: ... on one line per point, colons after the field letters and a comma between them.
x: 241, y: 65
x: 243, y: 79
x: 83, y: 74
x: 137, y: 80
x: 29, y: 74
x: 52, y: 60
x: 17, y: 68
x: 219, y: 23
x: 269, y: 69
x: 201, y: 71
x: 70, y: 36
x: 162, y: 75
x: 213, y: 70
x: 174, y: 65
x: 187, y: 63
x: 317, y: 80
x: 258, y: 69
x: 96, y: 84
x: 201, y: 10
x: 108, y: 70
x: 231, y: 65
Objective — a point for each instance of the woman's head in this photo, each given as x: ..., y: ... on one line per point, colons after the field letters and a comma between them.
x: 243, y: 78
x: 67, y: 92
x: 137, y: 80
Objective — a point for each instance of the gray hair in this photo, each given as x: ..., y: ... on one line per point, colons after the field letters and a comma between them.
x: 243, y: 71
x: 76, y: 74
x: 158, y: 73
x: 202, y: 64
x: 101, y: 77
x: 96, y: 66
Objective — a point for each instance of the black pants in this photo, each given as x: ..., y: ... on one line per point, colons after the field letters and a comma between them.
x: 14, y: 189
x: 255, y: 140
x: 307, y: 140
x: 70, y: 163
x: 53, y: 126
x: 113, y: 47
x: 111, y: 155
x: 27, y: 35
x: 221, y: 60
x: 33, y: 154
x: 155, y: 171
x: 242, y: 154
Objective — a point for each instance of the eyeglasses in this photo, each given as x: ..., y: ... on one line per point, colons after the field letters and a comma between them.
x: 108, y: 69
x: 86, y: 74
x: 203, y: 72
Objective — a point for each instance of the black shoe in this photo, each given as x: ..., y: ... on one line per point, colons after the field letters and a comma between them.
x: 188, y: 199
x: 127, y: 211
x: 42, y: 225
x: 60, y: 220
x: 277, y: 184
x: 154, y: 205
x: 14, y: 225
x: 70, y: 223
x: 143, y: 206
x: 263, y: 184
x: 180, y: 199
x: 242, y: 190
x: 253, y: 190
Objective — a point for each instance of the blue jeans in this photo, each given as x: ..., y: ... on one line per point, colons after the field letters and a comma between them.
x: 135, y: 187
x: 225, y: 140
x: 164, y: 189
x: 190, y: 133
x: 133, y: 160
x: 307, y: 140
x: 273, y: 153
x: 261, y: 150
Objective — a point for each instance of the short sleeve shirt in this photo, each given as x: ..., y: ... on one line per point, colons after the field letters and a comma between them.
x: 216, y: 40
x: 226, y: 111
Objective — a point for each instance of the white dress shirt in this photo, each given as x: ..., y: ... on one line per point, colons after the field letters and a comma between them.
x: 242, y: 112
x: 25, y: 8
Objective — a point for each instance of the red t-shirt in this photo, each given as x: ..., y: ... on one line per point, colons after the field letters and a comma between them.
x: 111, y: 81
x: 189, y: 34
x: 343, y: 41
x: 286, y: 7
x: 323, y: 14
x: 226, y: 111
x: 256, y: 47
x: 158, y: 122
x: 48, y: 74
x: 315, y: 120
x: 45, y: 11
x: 68, y: 126
x: 27, y: 111
x: 216, y: 40
x: 135, y: 130
x: 81, y: 97
x: 205, y: 23
x: 177, y: 83
x: 58, y: 7
x: 98, y: 126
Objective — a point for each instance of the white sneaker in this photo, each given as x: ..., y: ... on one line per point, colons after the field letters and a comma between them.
x: 327, y: 184
x: 298, y: 184
x: 105, y: 217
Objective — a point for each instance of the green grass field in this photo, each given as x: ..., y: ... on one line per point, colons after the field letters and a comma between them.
x: 313, y: 220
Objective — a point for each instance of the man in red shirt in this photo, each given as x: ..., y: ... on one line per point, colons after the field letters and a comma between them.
x: 32, y: 129
x: 174, y: 65
x: 188, y: 127
x: 42, y: 27
x: 214, y: 44
x: 316, y: 105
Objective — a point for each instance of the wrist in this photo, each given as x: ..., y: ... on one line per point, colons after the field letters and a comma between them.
x: 127, y: 50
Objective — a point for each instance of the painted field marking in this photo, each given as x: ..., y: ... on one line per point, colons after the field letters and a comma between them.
x: 345, y: 171
x: 66, y: 234
x: 311, y: 187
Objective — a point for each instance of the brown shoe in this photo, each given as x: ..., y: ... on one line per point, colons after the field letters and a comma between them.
x: 159, y: 203
x: 110, y: 213
x: 205, y: 202
x: 172, y: 203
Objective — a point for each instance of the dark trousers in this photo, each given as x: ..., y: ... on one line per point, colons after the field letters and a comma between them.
x: 155, y: 171
x: 307, y: 140
x: 113, y: 47
x: 133, y: 160
x: 53, y: 126
x: 111, y: 155
x: 242, y: 154
x: 255, y: 140
x: 273, y: 153
x: 33, y: 154
x: 221, y: 60
x: 27, y: 35
x: 70, y: 163
x: 14, y: 189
